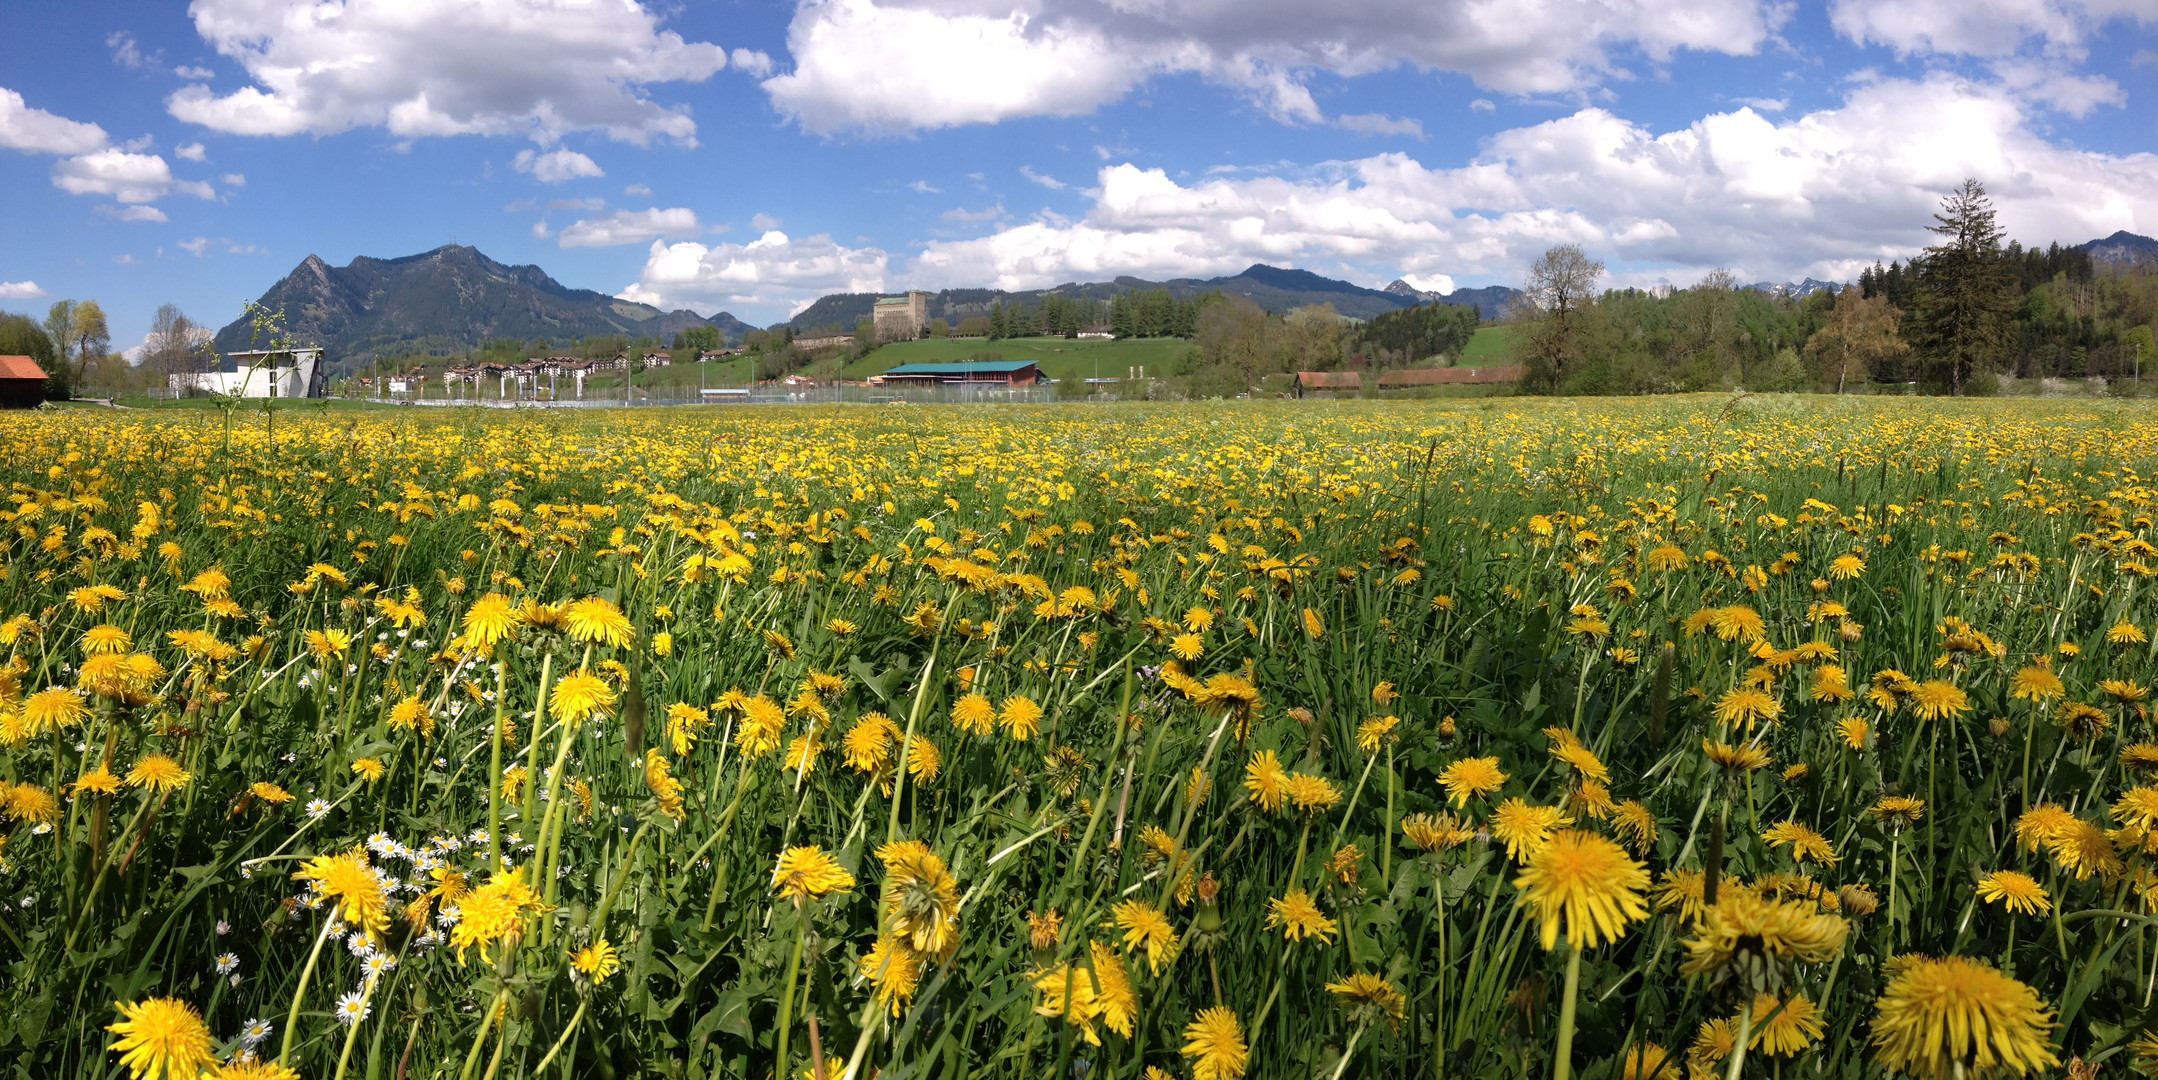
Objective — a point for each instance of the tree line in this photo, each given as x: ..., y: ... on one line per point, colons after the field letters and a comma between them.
x: 1956, y: 319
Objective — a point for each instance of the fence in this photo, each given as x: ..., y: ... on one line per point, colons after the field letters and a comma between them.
x: 818, y: 395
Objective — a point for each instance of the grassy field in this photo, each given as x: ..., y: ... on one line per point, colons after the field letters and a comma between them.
x: 1617, y: 739
x: 1487, y: 347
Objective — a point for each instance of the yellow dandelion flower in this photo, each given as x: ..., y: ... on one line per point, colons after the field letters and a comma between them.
x: 1144, y: 925
x: 164, y: 1039
x: 974, y: 714
x: 2019, y: 893
x: 1955, y: 1016
x: 579, y: 696
x: 1471, y: 777
x: 595, y: 619
x: 1745, y: 928
x: 1585, y: 885
x: 1784, y: 1028
x: 807, y: 873
x: 158, y: 773
x: 1214, y: 1042
x: 596, y: 961
x: 355, y: 889
x: 1021, y: 717
x: 1299, y: 918
x: 1806, y: 844
x: 1524, y: 828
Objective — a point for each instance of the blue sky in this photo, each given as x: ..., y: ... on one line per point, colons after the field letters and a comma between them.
x: 752, y: 156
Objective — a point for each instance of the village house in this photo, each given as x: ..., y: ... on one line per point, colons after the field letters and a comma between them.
x: 260, y: 373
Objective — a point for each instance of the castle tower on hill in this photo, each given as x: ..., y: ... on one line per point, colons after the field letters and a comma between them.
x: 901, y: 318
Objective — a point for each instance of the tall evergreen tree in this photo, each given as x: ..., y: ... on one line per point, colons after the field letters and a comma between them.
x: 1965, y: 288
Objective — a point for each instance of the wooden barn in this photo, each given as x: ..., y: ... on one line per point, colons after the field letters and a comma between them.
x: 22, y: 383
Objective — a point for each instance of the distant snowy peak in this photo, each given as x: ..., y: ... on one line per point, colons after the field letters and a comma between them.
x: 1490, y: 302
x: 1801, y: 290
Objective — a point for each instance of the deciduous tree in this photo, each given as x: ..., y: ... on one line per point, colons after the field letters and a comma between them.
x: 1860, y: 333
x: 1553, y: 321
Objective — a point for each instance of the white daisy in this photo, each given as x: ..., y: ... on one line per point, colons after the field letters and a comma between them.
x: 254, y: 1031
x: 227, y: 963
x: 317, y: 809
x: 352, y: 1007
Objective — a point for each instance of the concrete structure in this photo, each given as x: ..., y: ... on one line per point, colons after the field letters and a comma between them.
x: 261, y: 373
x: 1097, y: 331
x: 22, y: 383
x: 1009, y: 373
x: 901, y: 318
x: 824, y: 341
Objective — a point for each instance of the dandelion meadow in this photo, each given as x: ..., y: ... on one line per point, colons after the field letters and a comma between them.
x: 1642, y: 739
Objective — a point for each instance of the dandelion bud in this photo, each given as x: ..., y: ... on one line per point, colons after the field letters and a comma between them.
x: 1820, y: 585
x: 1446, y: 728
x: 1850, y: 632
x: 1998, y: 726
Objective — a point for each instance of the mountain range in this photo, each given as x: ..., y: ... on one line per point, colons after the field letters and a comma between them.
x: 1271, y: 287
x: 445, y: 300
x: 454, y: 298
x: 2124, y: 247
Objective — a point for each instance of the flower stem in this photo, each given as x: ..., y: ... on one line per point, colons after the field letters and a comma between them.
x: 352, y: 1033
x: 574, y: 1019
x: 1348, y: 1050
x: 1738, y: 1050
x: 292, y: 1015
x: 1562, y: 1063
x: 786, y: 1001
x: 494, y: 776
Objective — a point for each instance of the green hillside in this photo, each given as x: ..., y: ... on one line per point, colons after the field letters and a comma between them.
x: 1059, y: 358
x: 1491, y: 346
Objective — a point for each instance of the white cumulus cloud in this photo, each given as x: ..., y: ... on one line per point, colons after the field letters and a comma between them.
x: 1050, y: 182
x: 35, y: 131
x: 128, y: 178
x: 1380, y: 124
x: 753, y: 62
x: 133, y: 213
x: 20, y: 290
x: 1821, y: 194
x: 191, y: 152
x: 536, y: 68
x: 1980, y: 27
x: 772, y: 272
x: 630, y: 227
x: 556, y: 166
x: 902, y: 65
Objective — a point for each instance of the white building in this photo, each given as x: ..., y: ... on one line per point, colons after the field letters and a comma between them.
x: 296, y: 373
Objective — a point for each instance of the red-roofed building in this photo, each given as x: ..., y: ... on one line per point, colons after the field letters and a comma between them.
x: 22, y: 383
